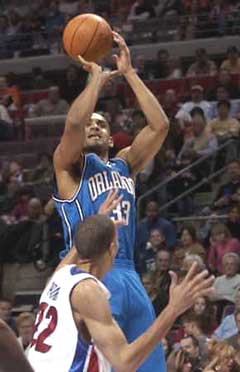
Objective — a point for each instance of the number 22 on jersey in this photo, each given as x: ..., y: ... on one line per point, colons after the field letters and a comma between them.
x: 47, y: 314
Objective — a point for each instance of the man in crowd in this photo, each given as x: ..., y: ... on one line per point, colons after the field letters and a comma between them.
x: 154, y: 221
x: 228, y: 326
x: 229, y: 193
x: 53, y: 105
x: 235, y: 340
x: 227, y: 284
x: 202, y: 66
x: 197, y: 100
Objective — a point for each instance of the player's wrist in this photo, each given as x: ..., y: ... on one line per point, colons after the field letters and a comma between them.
x: 129, y: 72
x: 172, y: 311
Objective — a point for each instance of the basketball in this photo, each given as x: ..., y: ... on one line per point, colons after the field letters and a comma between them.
x: 89, y: 36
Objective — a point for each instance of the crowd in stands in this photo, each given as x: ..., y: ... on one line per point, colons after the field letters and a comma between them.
x: 35, y: 28
x: 202, y: 101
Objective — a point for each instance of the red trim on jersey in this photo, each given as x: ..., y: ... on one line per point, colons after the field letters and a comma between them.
x: 93, y: 362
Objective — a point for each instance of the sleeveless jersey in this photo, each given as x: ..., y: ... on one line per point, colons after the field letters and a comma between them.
x: 98, y: 178
x: 56, y: 344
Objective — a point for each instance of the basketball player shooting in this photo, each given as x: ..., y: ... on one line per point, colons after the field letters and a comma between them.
x: 85, y: 175
x: 74, y: 329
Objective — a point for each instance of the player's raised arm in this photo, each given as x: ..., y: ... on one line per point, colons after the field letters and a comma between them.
x: 71, y: 145
x: 150, y: 139
x: 108, y: 337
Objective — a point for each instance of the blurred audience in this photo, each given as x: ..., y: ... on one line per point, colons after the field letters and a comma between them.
x: 53, y: 105
x: 197, y: 100
x: 202, y: 66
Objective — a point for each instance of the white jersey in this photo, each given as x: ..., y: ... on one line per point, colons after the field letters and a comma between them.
x: 57, y: 345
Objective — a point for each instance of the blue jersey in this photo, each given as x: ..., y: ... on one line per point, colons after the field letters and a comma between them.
x: 98, y: 178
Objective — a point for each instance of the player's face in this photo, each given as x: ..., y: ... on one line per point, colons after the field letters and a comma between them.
x: 97, y: 134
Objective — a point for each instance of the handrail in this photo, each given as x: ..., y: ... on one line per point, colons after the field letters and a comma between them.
x: 182, y: 171
x: 200, y: 218
x: 193, y: 188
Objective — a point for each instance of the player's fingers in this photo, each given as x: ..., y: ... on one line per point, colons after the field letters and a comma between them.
x: 191, y: 273
x: 208, y: 292
x: 173, y: 279
x: 116, y: 202
x: 114, y: 73
x: 83, y: 61
x: 204, y: 284
x: 199, y: 279
x: 111, y: 196
x: 120, y: 223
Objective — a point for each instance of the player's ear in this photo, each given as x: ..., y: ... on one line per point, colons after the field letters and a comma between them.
x: 110, y: 142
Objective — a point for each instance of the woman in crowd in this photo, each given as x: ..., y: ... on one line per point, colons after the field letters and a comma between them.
x: 221, y: 243
x: 189, y: 242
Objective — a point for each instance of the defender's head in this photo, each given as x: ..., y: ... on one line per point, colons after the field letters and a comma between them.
x: 96, y: 241
x: 97, y: 135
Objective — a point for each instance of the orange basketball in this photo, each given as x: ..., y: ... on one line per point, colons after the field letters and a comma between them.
x: 87, y: 35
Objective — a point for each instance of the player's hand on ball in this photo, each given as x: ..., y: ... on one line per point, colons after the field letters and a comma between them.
x: 94, y: 69
x: 123, y: 60
x: 184, y: 295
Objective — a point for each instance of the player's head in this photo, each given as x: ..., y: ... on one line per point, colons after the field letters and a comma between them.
x: 96, y: 242
x: 97, y: 135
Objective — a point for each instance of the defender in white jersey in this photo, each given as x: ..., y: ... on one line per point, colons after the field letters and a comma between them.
x: 74, y: 330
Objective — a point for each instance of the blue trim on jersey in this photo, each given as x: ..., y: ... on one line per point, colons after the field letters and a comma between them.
x: 75, y: 270
x: 68, y: 224
x: 121, y: 159
x: 79, y: 208
x: 80, y: 356
x: 57, y: 199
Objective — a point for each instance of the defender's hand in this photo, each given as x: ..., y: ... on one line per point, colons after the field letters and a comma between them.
x: 184, y: 295
x: 110, y: 203
x: 123, y: 60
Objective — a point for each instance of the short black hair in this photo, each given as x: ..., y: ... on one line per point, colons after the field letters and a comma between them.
x: 224, y: 102
x: 94, y: 236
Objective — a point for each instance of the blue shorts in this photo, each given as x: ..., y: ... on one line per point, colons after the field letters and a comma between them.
x: 132, y: 309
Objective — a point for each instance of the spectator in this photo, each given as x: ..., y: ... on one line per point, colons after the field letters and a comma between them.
x: 233, y: 222
x: 141, y: 68
x: 161, y: 276
x: 202, y: 66
x: 229, y: 193
x: 154, y: 221
x: 140, y: 11
x: 54, y: 19
x: 170, y: 103
x: 188, y: 358
x: 225, y: 80
x: 162, y: 66
x: 223, y: 358
x: 227, y: 284
x: 204, y: 308
x: 44, y: 170
x: 5, y: 313
x: 15, y: 22
x: 189, y: 242
x: 232, y: 63
x: 53, y: 105
x: 38, y: 80
x: 221, y: 243
x: 224, y: 127
x: 197, y: 100
x: 188, y: 261
x: 16, y: 171
x: 6, y: 123
x: 203, y: 143
x: 150, y: 287
x: 20, y: 210
x: 234, y: 341
x: 73, y: 83
x: 228, y: 326
x: 25, y: 324
x: 155, y: 243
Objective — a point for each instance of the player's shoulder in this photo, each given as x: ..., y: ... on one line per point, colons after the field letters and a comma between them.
x: 87, y: 296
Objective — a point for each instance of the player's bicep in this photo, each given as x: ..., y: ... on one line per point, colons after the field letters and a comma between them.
x: 145, y: 146
x: 92, y: 305
x: 70, y: 148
